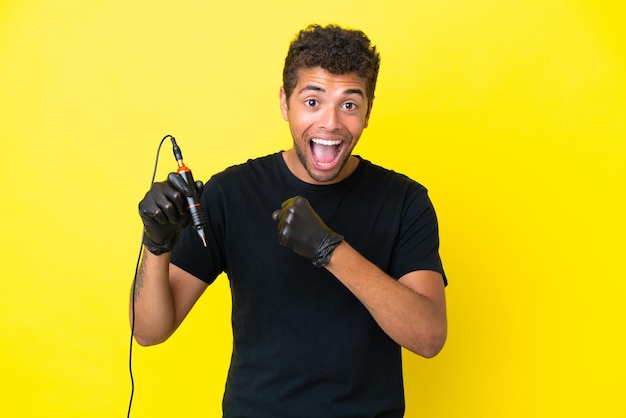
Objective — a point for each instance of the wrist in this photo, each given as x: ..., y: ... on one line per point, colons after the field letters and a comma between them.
x: 326, y: 248
x: 156, y: 248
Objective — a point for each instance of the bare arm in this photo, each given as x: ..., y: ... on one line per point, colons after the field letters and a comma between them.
x: 162, y: 297
x: 412, y: 310
x: 162, y: 294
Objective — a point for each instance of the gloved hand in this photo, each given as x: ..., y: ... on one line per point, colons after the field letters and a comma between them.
x: 164, y: 212
x: 302, y: 230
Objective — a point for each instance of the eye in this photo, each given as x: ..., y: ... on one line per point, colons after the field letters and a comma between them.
x: 311, y: 102
x: 350, y: 106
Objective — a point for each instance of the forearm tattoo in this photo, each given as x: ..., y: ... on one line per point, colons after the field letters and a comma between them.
x: 139, y: 279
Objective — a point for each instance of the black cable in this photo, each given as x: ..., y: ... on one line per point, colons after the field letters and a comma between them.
x: 132, y: 295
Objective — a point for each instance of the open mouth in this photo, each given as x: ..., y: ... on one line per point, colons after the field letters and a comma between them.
x: 325, y: 152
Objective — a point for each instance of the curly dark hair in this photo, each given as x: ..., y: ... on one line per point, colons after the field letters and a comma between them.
x: 336, y: 50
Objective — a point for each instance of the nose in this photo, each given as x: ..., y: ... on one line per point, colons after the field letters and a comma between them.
x: 330, y: 119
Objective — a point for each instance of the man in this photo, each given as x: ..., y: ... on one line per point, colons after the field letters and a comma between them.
x: 318, y: 321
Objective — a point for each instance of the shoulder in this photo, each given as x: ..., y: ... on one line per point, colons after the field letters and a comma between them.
x: 266, y: 163
x: 250, y: 172
x: 374, y: 174
x: 255, y: 179
x: 398, y: 194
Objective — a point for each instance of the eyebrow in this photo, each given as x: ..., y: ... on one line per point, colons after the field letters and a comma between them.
x: 316, y: 88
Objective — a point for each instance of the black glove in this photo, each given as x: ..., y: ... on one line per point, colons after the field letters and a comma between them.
x: 164, y: 213
x: 302, y: 230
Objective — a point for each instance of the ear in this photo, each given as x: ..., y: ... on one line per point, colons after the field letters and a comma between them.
x: 284, y: 103
x: 369, y: 112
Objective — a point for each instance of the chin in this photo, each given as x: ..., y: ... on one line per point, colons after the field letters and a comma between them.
x: 326, y: 176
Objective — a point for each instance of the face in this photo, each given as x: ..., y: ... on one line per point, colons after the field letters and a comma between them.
x: 327, y: 114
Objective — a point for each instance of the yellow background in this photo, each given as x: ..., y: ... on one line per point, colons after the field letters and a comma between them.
x: 512, y: 113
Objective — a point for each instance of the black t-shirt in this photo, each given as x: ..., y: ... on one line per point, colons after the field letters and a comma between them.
x: 304, y: 346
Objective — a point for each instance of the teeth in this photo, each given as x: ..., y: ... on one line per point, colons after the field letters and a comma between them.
x: 326, y: 142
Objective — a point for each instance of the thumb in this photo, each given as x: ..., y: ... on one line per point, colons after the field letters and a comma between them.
x: 176, y: 181
x: 199, y: 187
x: 276, y: 214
